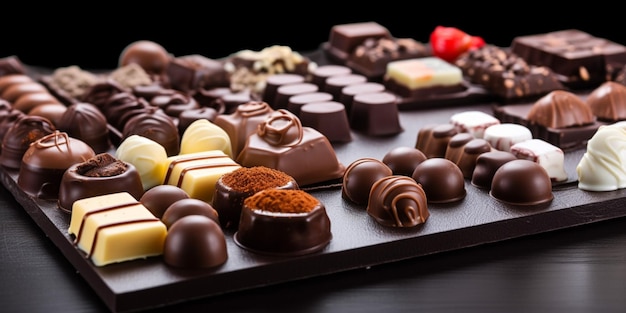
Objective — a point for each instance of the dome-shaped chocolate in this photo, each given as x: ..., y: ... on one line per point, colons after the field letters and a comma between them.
x: 486, y: 166
x: 158, y: 198
x: 359, y: 177
x: 403, y: 160
x: 86, y: 122
x: 522, y: 182
x: 151, y: 56
x: 560, y: 109
x: 190, y: 206
x: 441, y: 179
x: 26, y: 130
x: 156, y: 126
x: 398, y: 201
x: 608, y: 101
x: 195, y: 241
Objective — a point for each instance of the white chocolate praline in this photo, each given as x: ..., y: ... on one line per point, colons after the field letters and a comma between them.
x: 473, y: 122
x: 197, y: 173
x: 203, y: 135
x: 148, y: 157
x: 603, y: 166
x: 424, y: 72
x: 549, y: 156
x: 504, y: 136
x: 116, y: 227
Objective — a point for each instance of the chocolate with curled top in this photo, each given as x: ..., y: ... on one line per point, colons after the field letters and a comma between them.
x: 398, y: 201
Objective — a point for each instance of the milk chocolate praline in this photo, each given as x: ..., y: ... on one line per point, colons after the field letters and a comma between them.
x: 151, y: 56
x: 398, y: 201
x: 195, y: 241
x: 283, y: 222
x: 102, y: 174
x: 359, y: 177
x: 403, y: 160
x: 233, y: 188
x: 190, y: 206
x: 522, y: 182
x: 441, y: 179
x: 158, y: 198
x: 26, y: 130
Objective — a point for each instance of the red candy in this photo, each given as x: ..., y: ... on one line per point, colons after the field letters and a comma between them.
x: 449, y: 43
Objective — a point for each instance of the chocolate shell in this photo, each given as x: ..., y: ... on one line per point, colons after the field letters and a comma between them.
x: 398, y: 201
x: 560, y: 109
x: 608, y: 101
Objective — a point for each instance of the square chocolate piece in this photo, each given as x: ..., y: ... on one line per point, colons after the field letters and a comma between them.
x: 345, y: 38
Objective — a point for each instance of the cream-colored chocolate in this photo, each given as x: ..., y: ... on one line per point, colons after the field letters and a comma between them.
x: 115, y: 228
x: 608, y: 101
x: 148, y: 157
x: 549, y: 156
x: 603, y: 166
x: 204, y: 135
x: 424, y: 72
x: 197, y: 173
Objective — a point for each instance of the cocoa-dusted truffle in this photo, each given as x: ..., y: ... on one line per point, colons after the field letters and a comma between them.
x: 151, y: 56
x: 359, y: 177
x: 560, y: 109
x: 441, y: 179
x: 99, y: 175
x: 398, y: 201
x: 283, y: 222
x: 195, y: 241
x: 608, y: 101
x: 403, y: 160
x: 86, y: 122
x: 233, y: 188
x: 26, y: 130
x: 189, y: 206
x: 45, y: 161
x: 158, y: 198
x: 522, y: 182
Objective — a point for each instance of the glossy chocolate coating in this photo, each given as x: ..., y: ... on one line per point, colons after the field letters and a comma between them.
x: 283, y: 144
x: 15, y: 91
x: 151, y: 56
x: 344, y: 38
x: 335, y: 84
x: 102, y: 174
x: 522, y: 182
x: 156, y: 126
x: 244, y: 122
x: 8, y: 116
x: 359, y: 177
x: 185, y: 118
x: 284, y: 92
x: 441, y: 179
x: 561, y: 109
x: 608, y: 102
x: 322, y: 72
x: 371, y: 57
x: 433, y: 139
x: 52, y: 111
x: 86, y: 122
x: 273, y: 82
x: 398, y: 201
x: 296, y: 102
x: 195, y: 241
x: 190, y: 206
x: 228, y: 199
x: 191, y: 72
x: 12, y: 79
x: 486, y: 166
x: 100, y: 93
x: 375, y: 114
x: 348, y: 92
x: 11, y: 65
x: 158, y: 198
x: 29, y: 101
x: 581, y: 59
x: 329, y: 118
x: 282, y: 233
x: 26, y: 130
x: 403, y: 160
x: 468, y: 153
x: 46, y: 160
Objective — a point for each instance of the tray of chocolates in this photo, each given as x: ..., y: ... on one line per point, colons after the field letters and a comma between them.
x: 173, y: 178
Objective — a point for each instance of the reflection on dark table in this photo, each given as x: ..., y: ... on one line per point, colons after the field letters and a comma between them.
x: 581, y: 269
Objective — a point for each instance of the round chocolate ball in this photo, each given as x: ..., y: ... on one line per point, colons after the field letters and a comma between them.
x: 404, y: 160
x: 359, y: 177
x: 441, y: 179
x: 195, y: 241
x: 486, y: 166
x: 158, y: 198
x: 189, y: 206
x: 522, y: 182
x: 151, y: 56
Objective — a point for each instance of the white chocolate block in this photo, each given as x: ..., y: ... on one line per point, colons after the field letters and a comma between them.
x: 603, y: 166
x: 204, y: 135
x: 116, y: 227
x: 473, y: 122
x: 549, y: 156
x: 197, y: 173
x: 503, y: 136
x: 148, y: 157
x: 424, y: 72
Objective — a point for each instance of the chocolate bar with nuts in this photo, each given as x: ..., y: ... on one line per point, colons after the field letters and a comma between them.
x: 506, y: 75
x: 580, y: 59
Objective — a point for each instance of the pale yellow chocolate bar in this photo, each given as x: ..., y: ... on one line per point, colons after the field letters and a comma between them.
x: 424, y: 72
x: 116, y: 227
x: 197, y: 173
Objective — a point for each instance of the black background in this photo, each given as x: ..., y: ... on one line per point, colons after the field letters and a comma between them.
x: 93, y: 34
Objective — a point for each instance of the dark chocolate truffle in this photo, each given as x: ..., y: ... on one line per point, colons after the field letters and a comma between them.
x: 359, y: 177
x: 486, y: 166
x: 189, y: 206
x: 158, y: 198
x: 86, y: 122
x: 156, y: 126
x: 283, y: 222
x: 45, y: 161
x: 195, y: 241
x: 398, y: 201
x: 441, y: 179
x: 26, y: 130
x: 522, y: 182
x: 403, y: 160
x: 100, y: 175
x: 234, y: 187
x: 151, y: 56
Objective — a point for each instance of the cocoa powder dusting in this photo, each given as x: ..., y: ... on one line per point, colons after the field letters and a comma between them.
x: 254, y: 179
x: 282, y: 201
x: 102, y: 165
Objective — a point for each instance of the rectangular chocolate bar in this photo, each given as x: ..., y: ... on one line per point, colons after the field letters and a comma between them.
x: 579, y: 58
